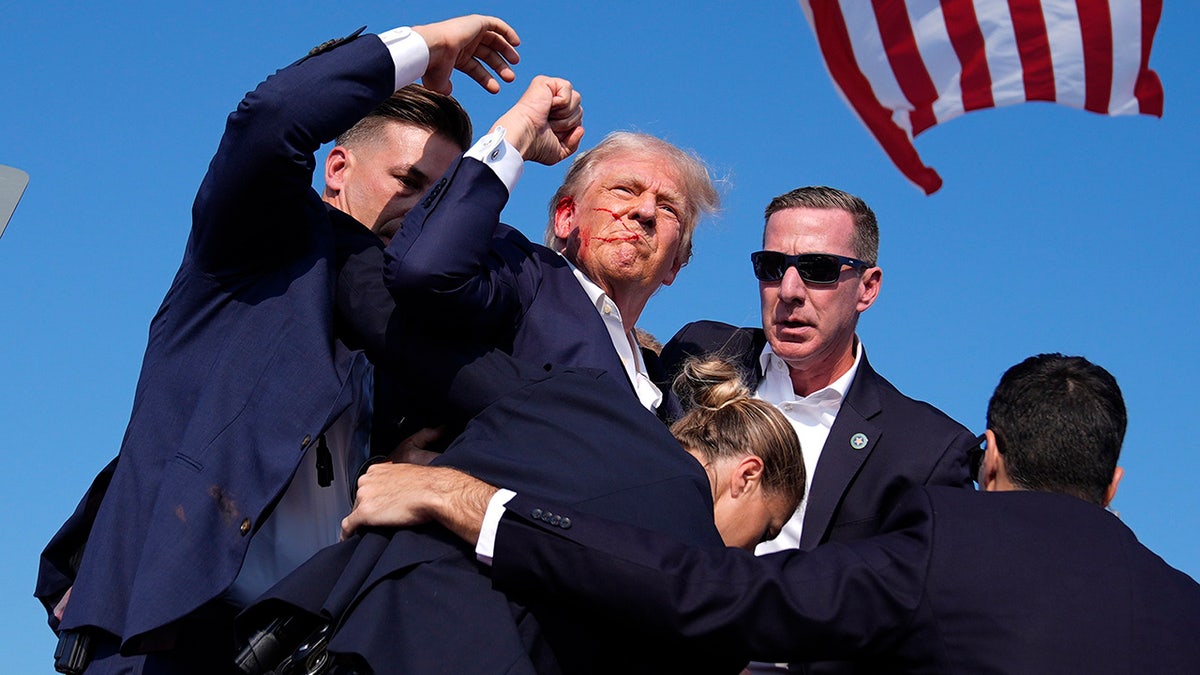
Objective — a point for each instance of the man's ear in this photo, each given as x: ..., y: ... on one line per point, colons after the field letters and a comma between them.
x: 335, y: 169
x: 994, y: 473
x: 564, y: 218
x: 746, y: 476
x: 872, y: 279
x: 1118, y: 474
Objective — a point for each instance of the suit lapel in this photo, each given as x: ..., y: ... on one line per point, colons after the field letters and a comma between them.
x: 851, y: 440
x: 594, y: 331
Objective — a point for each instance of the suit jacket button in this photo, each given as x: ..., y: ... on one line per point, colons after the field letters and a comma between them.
x: 536, y: 514
x: 245, y: 528
x: 555, y: 520
x: 565, y: 523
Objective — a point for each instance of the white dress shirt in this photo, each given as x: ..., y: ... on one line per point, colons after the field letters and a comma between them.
x: 811, y: 416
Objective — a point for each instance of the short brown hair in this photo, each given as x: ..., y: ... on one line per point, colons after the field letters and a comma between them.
x: 417, y: 106
x: 866, y: 229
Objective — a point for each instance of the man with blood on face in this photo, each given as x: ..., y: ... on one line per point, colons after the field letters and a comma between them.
x: 625, y: 228
x: 620, y: 227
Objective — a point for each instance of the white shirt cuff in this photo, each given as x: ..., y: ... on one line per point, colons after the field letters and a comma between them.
x: 409, y: 53
x: 485, y: 548
x: 500, y: 156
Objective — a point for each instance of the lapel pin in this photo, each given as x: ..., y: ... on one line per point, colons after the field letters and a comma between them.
x: 858, y: 441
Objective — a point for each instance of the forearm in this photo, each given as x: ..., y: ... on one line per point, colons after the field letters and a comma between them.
x: 443, y: 251
x: 402, y: 495
x: 440, y: 255
x: 787, y: 606
x: 460, y: 504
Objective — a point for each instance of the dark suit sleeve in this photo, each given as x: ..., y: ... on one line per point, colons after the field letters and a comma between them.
x: 952, y: 467
x: 740, y: 346
x: 838, y: 601
x: 60, y: 560
x: 443, y: 258
x: 257, y: 196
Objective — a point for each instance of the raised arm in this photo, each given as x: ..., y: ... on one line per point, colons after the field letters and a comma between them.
x: 442, y: 259
x: 257, y: 194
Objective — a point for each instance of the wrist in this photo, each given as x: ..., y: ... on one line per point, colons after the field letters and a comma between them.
x: 459, y: 503
x: 517, y: 132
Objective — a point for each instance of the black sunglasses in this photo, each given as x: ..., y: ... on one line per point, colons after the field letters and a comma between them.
x: 814, y: 268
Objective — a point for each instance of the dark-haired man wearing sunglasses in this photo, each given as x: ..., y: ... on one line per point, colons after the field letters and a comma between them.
x: 863, y: 440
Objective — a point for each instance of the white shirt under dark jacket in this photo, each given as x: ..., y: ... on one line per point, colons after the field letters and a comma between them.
x: 812, y: 417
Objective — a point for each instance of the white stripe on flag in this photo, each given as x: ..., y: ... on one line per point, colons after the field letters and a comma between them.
x: 1127, y: 55
x: 941, y: 61
x: 1066, y: 52
x: 849, y: 35
x: 872, y: 61
x: 1000, y: 45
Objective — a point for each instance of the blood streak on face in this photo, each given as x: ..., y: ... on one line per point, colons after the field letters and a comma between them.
x: 630, y: 235
x: 624, y: 229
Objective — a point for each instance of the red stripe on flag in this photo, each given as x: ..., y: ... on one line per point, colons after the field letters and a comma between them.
x: 834, y: 40
x: 1149, y: 89
x: 1095, y: 24
x: 965, y: 35
x: 907, y: 66
x: 1033, y: 46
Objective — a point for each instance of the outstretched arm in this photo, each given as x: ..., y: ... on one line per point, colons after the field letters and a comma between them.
x: 787, y: 606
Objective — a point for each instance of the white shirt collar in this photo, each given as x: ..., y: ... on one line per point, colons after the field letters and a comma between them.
x: 623, y: 342
x: 776, y: 386
x: 594, y: 292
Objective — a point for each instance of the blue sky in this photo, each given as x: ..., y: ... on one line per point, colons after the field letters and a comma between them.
x: 1056, y: 230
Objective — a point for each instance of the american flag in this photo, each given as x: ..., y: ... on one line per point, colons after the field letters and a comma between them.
x: 906, y: 65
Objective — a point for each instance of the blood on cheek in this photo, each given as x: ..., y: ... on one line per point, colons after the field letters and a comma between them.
x: 631, y: 235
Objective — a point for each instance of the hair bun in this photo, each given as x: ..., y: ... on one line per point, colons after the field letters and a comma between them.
x: 709, y: 383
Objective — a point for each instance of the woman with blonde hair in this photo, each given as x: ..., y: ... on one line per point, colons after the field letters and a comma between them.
x: 747, y: 447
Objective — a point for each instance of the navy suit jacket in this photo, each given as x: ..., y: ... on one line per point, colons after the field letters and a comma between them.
x: 414, y: 601
x: 959, y: 582
x: 241, y: 373
x: 456, y: 264
x: 908, y: 441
